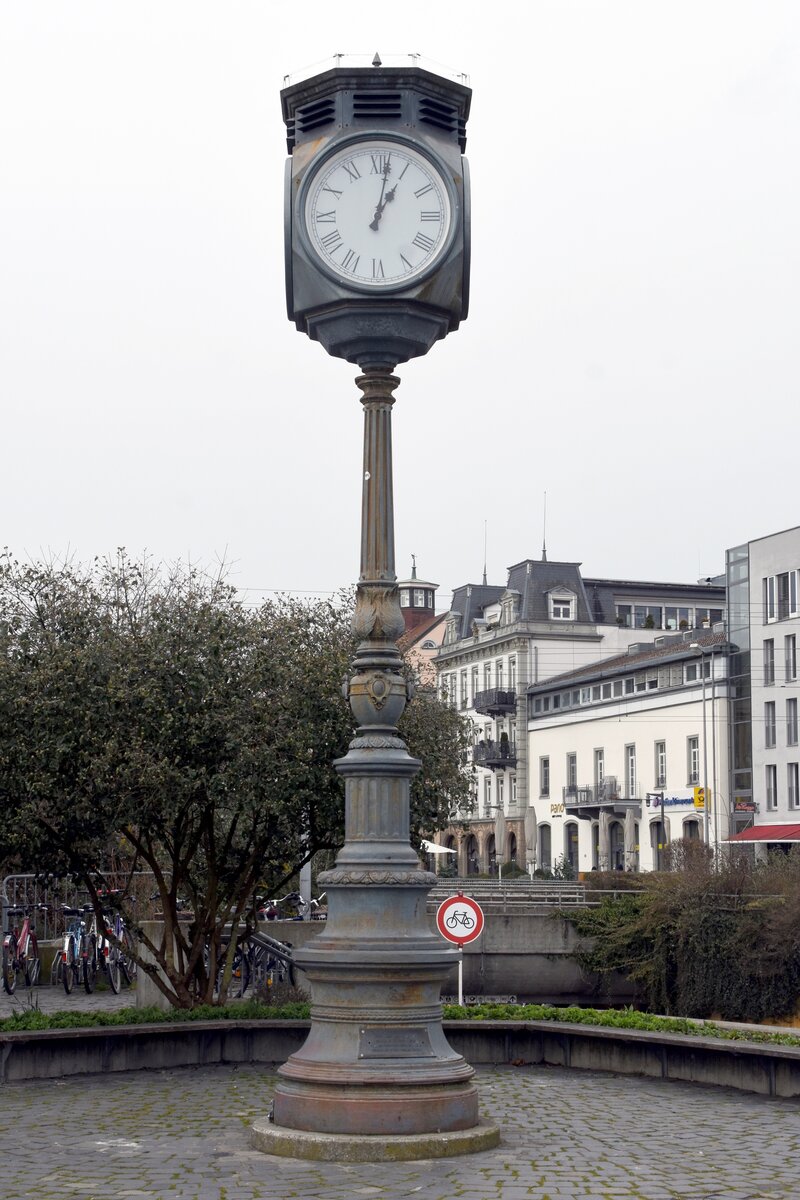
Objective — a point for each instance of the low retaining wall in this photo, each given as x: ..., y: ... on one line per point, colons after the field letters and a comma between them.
x: 747, y: 1066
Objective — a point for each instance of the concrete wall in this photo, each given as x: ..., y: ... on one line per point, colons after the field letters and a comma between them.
x: 526, y: 954
x: 767, y: 1070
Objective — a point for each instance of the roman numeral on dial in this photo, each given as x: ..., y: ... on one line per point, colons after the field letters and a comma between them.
x: 350, y: 261
x: 377, y: 269
x: 332, y: 191
x: 332, y: 241
x: 352, y: 170
x: 423, y: 242
x: 329, y: 217
x: 380, y: 164
x: 423, y: 190
x: 427, y: 216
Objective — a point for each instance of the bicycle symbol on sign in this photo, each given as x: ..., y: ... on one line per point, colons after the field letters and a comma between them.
x: 459, y: 918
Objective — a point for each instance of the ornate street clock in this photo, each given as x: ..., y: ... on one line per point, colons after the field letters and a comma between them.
x: 377, y: 211
x: 377, y: 269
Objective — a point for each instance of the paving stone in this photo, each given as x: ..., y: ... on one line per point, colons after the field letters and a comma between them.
x: 567, y: 1135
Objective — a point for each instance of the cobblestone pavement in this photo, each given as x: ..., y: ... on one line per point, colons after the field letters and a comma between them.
x: 567, y: 1135
x: 53, y: 999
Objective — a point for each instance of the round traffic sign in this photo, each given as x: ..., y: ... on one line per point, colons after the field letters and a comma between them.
x: 460, y: 919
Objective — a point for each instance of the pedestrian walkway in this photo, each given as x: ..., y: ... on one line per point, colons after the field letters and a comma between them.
x: 567, y: 1135
x: 53, y: 999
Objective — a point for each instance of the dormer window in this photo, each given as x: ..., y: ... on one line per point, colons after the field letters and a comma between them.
x: 562, y: 606
x: 405, y: 598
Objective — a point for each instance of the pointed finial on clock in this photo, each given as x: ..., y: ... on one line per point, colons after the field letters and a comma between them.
x: 376, y: 62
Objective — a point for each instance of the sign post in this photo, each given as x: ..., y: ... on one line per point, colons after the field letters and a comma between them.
x: 460, y: 920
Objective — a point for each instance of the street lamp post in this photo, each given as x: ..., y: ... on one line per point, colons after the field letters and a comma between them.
x: 706, y: 816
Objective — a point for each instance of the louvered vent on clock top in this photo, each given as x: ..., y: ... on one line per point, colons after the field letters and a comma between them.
x: 319, y: 112
x: 377, y: 105
x: 443, y: 116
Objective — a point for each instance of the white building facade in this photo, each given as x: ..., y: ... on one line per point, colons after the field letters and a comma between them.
x: 629, y: 754
x: 547, y: 620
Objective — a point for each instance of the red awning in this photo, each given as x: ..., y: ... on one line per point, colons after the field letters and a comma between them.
x: 768, y: 833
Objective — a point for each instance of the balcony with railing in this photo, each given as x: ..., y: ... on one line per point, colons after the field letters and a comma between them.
x: 588, y: 799
x: 495, y: 755
x: 494, y: 702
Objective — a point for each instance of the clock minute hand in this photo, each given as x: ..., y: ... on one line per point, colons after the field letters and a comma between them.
x: 381, y: 202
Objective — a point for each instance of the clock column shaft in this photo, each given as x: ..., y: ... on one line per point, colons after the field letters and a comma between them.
x: 376, y: 1061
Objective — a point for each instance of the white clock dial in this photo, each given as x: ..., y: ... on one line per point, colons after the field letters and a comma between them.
x: 377, y: 213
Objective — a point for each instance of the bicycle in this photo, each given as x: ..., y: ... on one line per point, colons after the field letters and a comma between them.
x: 114, y: 949
x: 21, y: 952
x: 460, y: 918
x: 73, y: 947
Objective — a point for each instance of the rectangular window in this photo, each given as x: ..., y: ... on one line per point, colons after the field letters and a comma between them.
x: 475, y: 683
x: 596, y: 692
x: 405, y: 598
x: 629, y: 686
x: 500, y: 792
x: 419, y: 598
x: 586, y: 695
x: 606, y: 691
x: 792, y: 785
x: 690, y: 673
x: 487, y: 677
x: 599, y: 767
x: 790, y: 656
x: 572, y: 772
x: 769, y: 599
x: 544, y: 776
x: 661, y: 764
x: 782, y: 588
x: 464, y: 698
x: 512, y: 673
x: 560, y: 609
x: 537, y: 704
x: 772, y: 785
x: 793, y: 593
x: 625, y: 616
x: 677, y: 618
x: 630, y: 772
x: 647, y: 616
x: 769, y: 724
x: 513, y: 789
x: 498, y: 670
x: 769, y: 660
x: 693, y: 760
x: 617, y: 687
x: 791, y: 721
x: 487, y: 795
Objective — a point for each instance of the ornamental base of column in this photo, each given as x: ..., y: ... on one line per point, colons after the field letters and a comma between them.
x: 376, y: 1061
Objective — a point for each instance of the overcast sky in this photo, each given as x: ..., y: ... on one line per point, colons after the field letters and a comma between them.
x: 632, y: 346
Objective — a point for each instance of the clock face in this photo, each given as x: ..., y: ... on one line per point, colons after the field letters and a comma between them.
x: 377, y: 213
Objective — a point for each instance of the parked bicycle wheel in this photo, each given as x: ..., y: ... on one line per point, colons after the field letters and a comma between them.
x: 127, y: 965
x: 114, y: 968
x: 89, y: 963
x: 32, y: 963
x: 12, y: 970
x: 57, y: 969
x: 240, y: 976
x: 69, y: 972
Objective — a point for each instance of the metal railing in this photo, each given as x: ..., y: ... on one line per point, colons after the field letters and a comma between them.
x: 495, y: 700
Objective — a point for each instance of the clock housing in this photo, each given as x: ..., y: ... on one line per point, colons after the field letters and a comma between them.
x: 416, y: 290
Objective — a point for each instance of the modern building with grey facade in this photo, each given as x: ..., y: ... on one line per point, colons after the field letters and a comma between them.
x: 763, y: 578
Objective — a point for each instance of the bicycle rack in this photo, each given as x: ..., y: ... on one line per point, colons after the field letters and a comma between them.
x: 279, y: 949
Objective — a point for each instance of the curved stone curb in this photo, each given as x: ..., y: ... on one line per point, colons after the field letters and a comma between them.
x: 337, y: 1147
